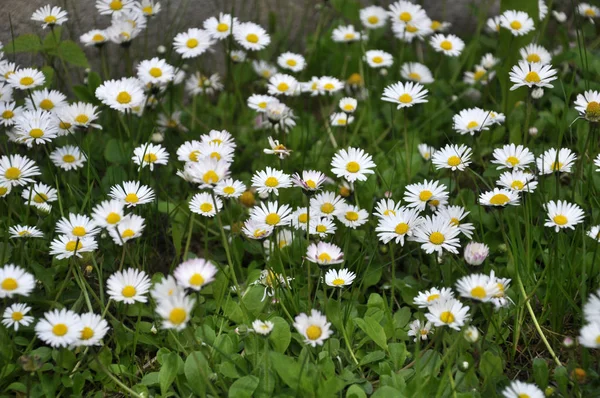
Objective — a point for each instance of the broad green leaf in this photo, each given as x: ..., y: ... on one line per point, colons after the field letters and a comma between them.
x: 387, y: 392
x: 280, y: 336
x: 287, y: 368
x: 168, y: 371
x: 196, y: 372
x: 114, y: 152
x: 490, y: 366
x: 374, y: 330
x: 372, y: 357
x: 83, y: 93
x: 23, y: 44
x: 541, y: 374
x: 244, y: 387
x: 70, y: 52
x: 355, y: 392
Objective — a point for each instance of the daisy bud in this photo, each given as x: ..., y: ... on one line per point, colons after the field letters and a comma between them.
x: 559, y: 16
x: 161, y: 49
x: 247, y: 199
x: 533, y: 131
x: 549, y: 391
x: 387, y: 194
x: 464, y: 366
x: 454, y: 98
x: 568, y: 342
x: 242, y: 330
x: 502, y: 248
x: 157, y: 137
x: 471, y: 334
x: 153, y: 329
x: 263, y: 195
x: 537, y: 93
x: 383, y: 72
x: 476, y: 253
x: 89, y: 269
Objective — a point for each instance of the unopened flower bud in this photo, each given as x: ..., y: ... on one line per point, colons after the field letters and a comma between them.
x: 476, y: 253
x: 471, y: 334
x: 568, y: 342
x: 161, y: 49
x: 533, y: 131
x: 537, y: 93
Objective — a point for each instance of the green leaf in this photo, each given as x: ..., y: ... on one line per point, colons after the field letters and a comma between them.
x: 244, y: 387
x: 287, y: 368
x: 387, y: 392
x: 372, y: 357
x: 541, y: 373
x: 196, y: 372
x: 94, y: 81
x: 70, y: 52
x: 355, y: 392
x: 5, y: 251
x: 27, y: 43
x: 490, y: 366
x: 83, y: 93
x: 150, y: 379
x: 48, y: 75
x: 280, y: 336
x: 168, y: 371
x: 374, y: 330
x: 562, y: 379
x: 114, y: 152
x: 398, y: 354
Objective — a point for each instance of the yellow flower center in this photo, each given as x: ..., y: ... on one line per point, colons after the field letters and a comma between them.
x: 349, y: 36
x: 512, y: 160
x: 98, y: 37
x: 259, y: 233
x: 311, y: 184
x: 328, y: 86
x: 405, y: 98
x: 411, y: 28
x: 8, y: 114
x: 372, y: 19
x: 341, y: 121
x: 556, y: 166
x: 60, y: 329
x: 26, y: 81
x: 355, y: 79
x: 321, y: 228
x: 272, y: 219
x: 447, y: 317
x: 229, y: 190
x: 78, y: 231
x: 87, y: 333
x: 472, y: 124
x: 446, y: 45
x: 206, y: 207
x: 196, y: 280
x: 405, y: 17
x: 435, y: 25
x: 148, y: 10
x: 352, y: 167
x: 272, y: 182
x: 82, y: 118
x: 434, y: 202
x: 73, y: 245
x: 291, y: 62
x: 478, y: 292
x: 155, y: 72
x: 327, y: 208
x: 324, y: 258
x: 283, y: 87
x: 193, y: 156
x: 132, y: 198
x: 338, y: 282
x: 50, y: 19
x: 191, y: 43
x: 351, y: 216
x: 478, y: 75
x: 388, y: 212
x: 518, y: 185
x: 437, y: 238
x: 433, y: 297
x: 17, y: 316
x: 12, y: 173
x: 414, y: 76
x: 177, y: 316
x: 128, y: 291
x: 64, y: 125
x: 266, y: 74
x: 9, y: 284
x: 150, y: 158
x: 592, y: 111
x: 313, y: 332
x: 222, y: 27
x: 128, y: 233
x: 590, y: 12
x: 46, y: 104
x: 215, y: 155
x: 210, y: 177
x: 425, y: 195
x: 40, y: 198
x: 523, y: 395
x: 377, y: 59
x: 453, y: 161
x: 401, y: 228
x: 303, y: 218
x: 124, y: 97
x: 348, y: 107
x: 3, y: 191
x: 455, y: 221
x: 560, y: 219
x: 113, y: 218
x: 499, y: 199
x: 516, y: 25
x: 532, y: 77
x: 533, y: 58
x: 252, y: 38
x: 36, y: 133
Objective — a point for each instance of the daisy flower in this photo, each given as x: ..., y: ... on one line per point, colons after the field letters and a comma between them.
x: 352, y: 164
x: 499, y: 197
x: 488, y: 61
x: 130, y: 227
x: 330, y: 85
x: 270, y: 180
x: 258, y: 102
x: 95, y: 37
x: 279, y: 117
x: 126, y: 27
x: 326, y: 204
x: 589, y: 335
x: 128, y: 286
x: 166, y: 288
x: 205, y: 85
x: 314, y: 328
x: 14, y: 316
x: 26, y: 78
x: 418, y: 28
x: 311, y: 180
x: 426, y: 151
x: 553, y: 160
x: 562, y: 214
x: 282, y: 84
x: 420, y: 194
x: 36, y: 127
x: 121, y: 95
x: 222, y: 137
x: 189, y: 151
x: 449, y: 45
x: 519, y: 389
x: 588, y: 11
x: 132, y: 193
x: 149, y: 7
x: 398, y: 225
x: 437, y: 234
x: 591, y: 309
x: 94, y: 328
x: 195, y: 273
x: 456, y: 214
x: 532, y: 75
x: 24, y: 231
x: 405, y: 94
x: 77, y: 226
x: 155, y: 71
x: 114, y: 7
x: 493, y: 24
x: 470, y: 121
x: 543, y: 9
x: 339, y: 278
x: 208, y: 172
x: 323, y: 253
x: 534, y: 53
x: 50, y: 16
x: 313, y: 87
x: 64, y: 246
x: 451, y: 313
x: 17, y: 170
x: 517, y: 180
x: 263, y: 68
x: 348, y: 104
x: 291, y: 61
x: 277, y: 149
x: 257, y: 229
x: 176, y: 311
x: 594, y: 233
x: 352, y: 216
x: 108, y: 213
x: 480, y: 75
x: 387, y: 207
x: 192, y: 43
x: 519, y: 23
x: 219, y: 28
x: 452, y: 157
x: 59, y: 328
x: 15, y: 280
x: 68, y: 157
x: 341, y: 119
x: 379, y: 59
x: 419, y: 329
x: 8, y: 112
x: 229, y: 188
x: 429, y: 297
x: 299, y: 218
x: 403, y: 11
x: 283, y: 239
x: 203, y: 203
x: 251, y: 36
x: 496, y: 118
x: 588, y: 105
x: 478, y: 287
x: 373, y: 17
x: 345, y: 34
x: 5, y: 189
x: 516, y: 157
x: 438, y: 26
x: 238, y: 56
x: 262, y: 328
x: 46, y: 100
x: 39, y: 194
x: 79, y: 114
x: 6, y: 69
x: 321, y: 226
x: 272, y: 214
x: 150, y: 155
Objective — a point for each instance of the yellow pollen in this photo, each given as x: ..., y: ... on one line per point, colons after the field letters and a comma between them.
x: 215, y: 155
x: 447, y: 317
x: 266, y: 74
x: 499, y: 199
x: 155, y: 72
x: 348, y: 107
x: 150, y: 158
x: 446, y: 45
x: 533, y: 58
x: 148, y: 10
x: 78, y: 231
x: 272, y: 219
x: 291, y: 62
x: 98, y: 37
x: 196, y: 280
x: 478, y: 75
x: 351, y: 216
x: 8, y: 114
x: 24, y: 233
x: 87, y: 333
x: 128, y: 233
x: 414, y: 76
x: 132, y: 198
x: 229, y: 190
x: 472, y: 124
x: 40, y: 198
x: 46, y: 104
x: 453, y: 161
x: 283, y: 87
x: 206, y: 207
x: 512, y: 160
x: 82, y: 118
x: 355, y: 79
x: 73, y: 245
x: 401, y: 228
x: 60, y: 329
x: 116, y: 5
x: 12, y: 173
x: 523, y: 395
x: 405, y: 17
x: 411, y: 28
x: 388, y: 212
x: 50, y: 19
x: 556, y: 166
x: 17, y: 316
x: 324, y: 258
x: 321, y: 228
x: 592, y: 111
x: 433, y: 297
x: 434, y: 202
x: 191, y: 43
x: 9, y: 284
x: 345, y: 192
x: 262, y: 105
x: 560, y: 219
x: 272, y: 182
x: 437, y: 238
x: 327, y: 208
x: 328, y: 86
x: 313, y: 332
x: 478, y: 292
x: 26, y: 81
x: 193, y: 156
x: 352, y: 167
x: 113, y: 218
x: 36, y: 133
x: 303, y: 218
x: 590, y: 12
x: 337, y: 282
x: 259, y: 233
x: 532, y: 77
x: 222, y: 27
x: 128, y: 291
x: 516, y: 25
x: 349, y: 36
x: 517, y: 185
x: 177, y: 316
x: 252, y: 38
x: 425, y: 195
x: 341, y: 122
x: 372, y: 19
x: 311, y: 184
x: 435, y: 25
x: 64, y: 125
x: 455, y: 221
x: 405, y: 98
x: 377, y: 59
x: 124, y: 97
